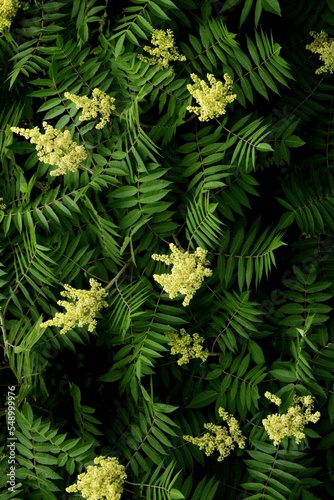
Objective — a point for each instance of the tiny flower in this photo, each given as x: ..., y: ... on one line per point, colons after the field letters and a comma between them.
x: 104, y: 480
x: 55, y: 148
x: 2, y: 205
x: 274, y: 399
x: 291, y: 423
x: 188, y: 272
x: 101, y: 104
x: 43, y: 186
x: 219, y: 438
x: 212, y: 101
x: 165, y: 50
x: 8, y: 10
x: 190, y: 346
x: 324, y: 46
x: 82, y: 309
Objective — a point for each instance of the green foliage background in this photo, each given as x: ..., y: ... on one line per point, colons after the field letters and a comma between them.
x: 254, y: 187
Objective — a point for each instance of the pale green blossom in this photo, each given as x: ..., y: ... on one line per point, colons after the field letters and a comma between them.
x: 100, y: 104
x: 164, y: 51
x: 190, y: 346
x: 324, y: 46
x: 291, y: 423
x: 273, y: 398
x: 102, y: 481
x: 8, y: 10
x: 222, y: 439
x: 43, y: 186
x: 82, y: 309
x: 188, y: 272
x: 55, y: 148
x: 212, y: 101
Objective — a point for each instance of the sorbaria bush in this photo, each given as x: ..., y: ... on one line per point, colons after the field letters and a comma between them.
x: 166, y: 169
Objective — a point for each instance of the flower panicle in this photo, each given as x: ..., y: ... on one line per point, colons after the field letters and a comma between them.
x: 221, y: 439
x: 165, y: 50
x: 212, y: 100
x: 324, y: 46
x: 188, y: 272
x: 103, y: 480
x: 8, y: 10
x: 100, y: 104
x: 81, y: 309
x: 189, y: 346
x: 55, y: 148
x: 291, y: 423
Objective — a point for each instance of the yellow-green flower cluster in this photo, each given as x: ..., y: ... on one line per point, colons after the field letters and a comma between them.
x: 273, y: 398
x: 43, y: 186
x: 55, y: 148
x: 222, y: 439
x: 292, y: 422
x: 2, y: 205
x: 8, y: 10
x: 324, y: 46
x: 82, y: 309
x: 100, y: 104
x: 188, y: 272
x: 102, y: 481
x: 190, y: 346
x: 212, y: 101
x: 164, y: 51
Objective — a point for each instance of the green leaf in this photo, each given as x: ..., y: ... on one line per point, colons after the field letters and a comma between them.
x: 245, y: 11
x: 55, y: 111
x: 119, y: 48
x: 272, y: 6
x: 45, y: 459
x: 264, y: 147
x: 284, y: 375
x: 205, y: 398
x: 51, y: 103
x: 176, y: 494
x: 286, y: 220
x: 157, y: 11
x: 41, y: 218
x: 294, y: 141
x: 80, y: 450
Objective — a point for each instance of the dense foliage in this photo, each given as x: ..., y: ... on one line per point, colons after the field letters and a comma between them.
x: 249, y: 188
